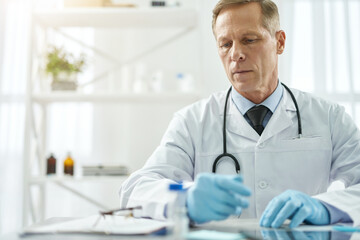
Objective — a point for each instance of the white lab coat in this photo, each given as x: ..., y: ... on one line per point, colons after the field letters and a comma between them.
x: 271, y: 163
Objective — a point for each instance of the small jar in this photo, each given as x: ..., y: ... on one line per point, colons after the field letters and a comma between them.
x: 69, y: 165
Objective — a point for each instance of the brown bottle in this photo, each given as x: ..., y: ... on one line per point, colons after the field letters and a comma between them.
x: 69, y: 165
x: 51, y: 165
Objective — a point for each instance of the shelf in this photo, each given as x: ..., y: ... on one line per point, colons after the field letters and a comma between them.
x: 64, y: 179
x: 56, y: 97
x: 118, y: 18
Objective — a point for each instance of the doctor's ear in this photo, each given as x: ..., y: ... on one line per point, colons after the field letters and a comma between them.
x: 280, y: 41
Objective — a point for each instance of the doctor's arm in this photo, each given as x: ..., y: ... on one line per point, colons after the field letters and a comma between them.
x: 209, y: 197
x: 345, y: 167
x: 171, y: 162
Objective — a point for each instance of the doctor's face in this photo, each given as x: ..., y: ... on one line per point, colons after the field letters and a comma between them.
x: 248, y: 51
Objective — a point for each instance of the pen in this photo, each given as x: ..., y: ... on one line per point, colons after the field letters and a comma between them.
x: 111, y: 212
x: 346, y: 229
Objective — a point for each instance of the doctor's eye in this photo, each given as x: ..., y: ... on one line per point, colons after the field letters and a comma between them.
x: 226, y: 45
x: 249, y: 40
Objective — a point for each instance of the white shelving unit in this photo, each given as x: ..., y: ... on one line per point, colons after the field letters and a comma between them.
x: 111, y: 18
x: 44, y: 179
x: 119, y: 18
x: 127, y: 98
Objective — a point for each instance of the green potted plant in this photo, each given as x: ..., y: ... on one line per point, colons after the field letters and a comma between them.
x: 63, y: 68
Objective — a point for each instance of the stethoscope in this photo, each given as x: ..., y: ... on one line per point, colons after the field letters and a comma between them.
x: 226, y: 154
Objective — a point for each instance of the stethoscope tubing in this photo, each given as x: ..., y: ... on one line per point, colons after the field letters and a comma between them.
x: 297, y: 109
x: 225, y: 154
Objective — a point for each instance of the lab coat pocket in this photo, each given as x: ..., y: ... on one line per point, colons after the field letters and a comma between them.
x: 302, y: 164
x: 312, y: 142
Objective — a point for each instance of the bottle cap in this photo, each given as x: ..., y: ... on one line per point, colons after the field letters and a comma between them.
x: 179, y: 76
x: 175, y: 186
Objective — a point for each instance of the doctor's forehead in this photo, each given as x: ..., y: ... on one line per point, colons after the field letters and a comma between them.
x: 239, y: 17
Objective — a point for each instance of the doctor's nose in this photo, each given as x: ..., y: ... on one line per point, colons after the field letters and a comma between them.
x: 237, y: 54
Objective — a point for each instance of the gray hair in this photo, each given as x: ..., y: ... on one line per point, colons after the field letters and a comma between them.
x: 270, y: 13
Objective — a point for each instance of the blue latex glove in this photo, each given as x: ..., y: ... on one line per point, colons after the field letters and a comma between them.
x: 296, y: 206
x: 216, y: 197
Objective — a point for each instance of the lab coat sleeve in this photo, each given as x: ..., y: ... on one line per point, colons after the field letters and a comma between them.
x: 345, y: 165
x: 347, y: 200
x: 171, y: 162
x: 345, y: 137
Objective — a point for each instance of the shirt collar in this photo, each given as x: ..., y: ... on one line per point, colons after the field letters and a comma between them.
x: 243, y: 104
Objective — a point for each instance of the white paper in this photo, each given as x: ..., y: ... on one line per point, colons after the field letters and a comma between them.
x: 98, y: 224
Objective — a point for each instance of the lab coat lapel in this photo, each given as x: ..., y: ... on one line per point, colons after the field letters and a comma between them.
x: 237, y: 124
x: 281, y: 118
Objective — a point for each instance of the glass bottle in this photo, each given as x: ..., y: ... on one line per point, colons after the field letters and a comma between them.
x: 69, y: 165
x: 51, y: 165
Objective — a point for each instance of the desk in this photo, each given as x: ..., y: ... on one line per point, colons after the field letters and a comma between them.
x: 230, y: 225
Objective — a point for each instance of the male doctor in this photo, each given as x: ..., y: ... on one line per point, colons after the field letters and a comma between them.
x: 287, y: 157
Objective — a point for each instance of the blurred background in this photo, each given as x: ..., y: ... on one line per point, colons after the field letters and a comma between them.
x: 94, y: 84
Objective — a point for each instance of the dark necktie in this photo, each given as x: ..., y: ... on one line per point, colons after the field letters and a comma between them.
x: 256, y: 115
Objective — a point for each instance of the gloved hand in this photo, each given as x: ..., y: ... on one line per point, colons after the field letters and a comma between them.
x: 216, y: 197
x: 296, y: 206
